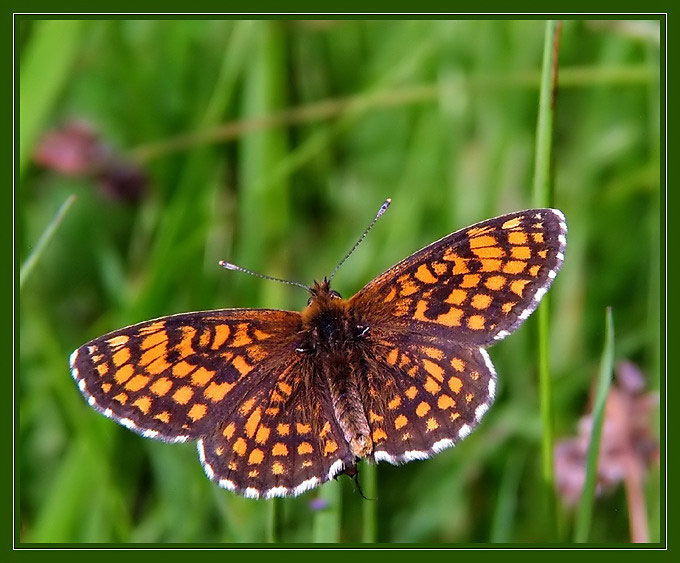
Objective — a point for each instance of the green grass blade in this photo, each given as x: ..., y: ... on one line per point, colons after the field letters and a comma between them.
x: 328, y: 520
x: 543, y: 198
x: 44, y: 239
x: 369, y: 483
x: 585, y: 510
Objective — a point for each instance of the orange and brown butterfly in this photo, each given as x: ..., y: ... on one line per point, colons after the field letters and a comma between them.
x: 281, y: 401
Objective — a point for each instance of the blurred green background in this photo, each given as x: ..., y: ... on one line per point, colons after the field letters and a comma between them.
x: 272, y: 144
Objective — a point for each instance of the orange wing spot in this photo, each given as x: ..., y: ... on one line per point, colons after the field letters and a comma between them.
x: 253, y: 473
x: 256, y: 353
x: 419, y: 313
x: 253, y: 422
x: 543, y: 254
x: 411, y: 392
x: 285, y: 388
x: 408, y: 287
x: 518, y: 286
x: 533, y: 271
x: 432, y: 387
x: 229, y: 430
x: 280, y: 449
x: 431, y: 424
x: 481, y: 301
x: 103, y: 369
x: 512, y: 223
x: 306, y: 463
x: 256, y: 457
x: 406, y: 436
x: 163, y: 417
x: 474, y: 375
x: 96, y: 358
x: 247, y: 406
x: 457, y: 364
x: 143, y: 403
x: 391, y: 295
x: 219, y: 450
x: 233, y: 466
x: 183, y: 395
x: 460, y: 266
x: 537, y: 238
x: 204, y: 339
x: 153, y: 327
x: 161, y: 386
x: 422, y: 409
x: 400, y: 421
x: 137, y: 382
x: 305, y: 448
x: 106, y: 387
x: 379, y: 435
x: 329, y: 447
x: 283, y: 429
x: 392, y: 356
x: 216, y: 391
x: 476, y: 322
x: 514, y: 267
x: 455, y: 384
x: 373, y: 417
x: 118, y: 341
x: 277, y: 468
x: 201, y: 377
x: 445, y: 402
x: 151, y: 355
x: 261, y: 335
x: 394, y: 403
x: 472, y: 280
x: 404, y: 361
x: 489, y: 252
x: 153, y: 340
x: 520, y: 252
x: 412, y: 371
x: 517, y: 237
x: 326, y: 429
x: 469, y: 397
x: 272, y: 411
x: 121, y: 398
x: 439, y: 268
x: 456, y: 297
x: 124, y: 373
x: 435, y: 353
x: 159, y: 365
x: 303, y: 428
x: 454, y: 415
x: 494, y: 283
x: 121, y: 357
x: 475, y: 231
x: 222, y: 333
x: 424, y: 275
x: 401, y: 308
x: 491, y: 265
x: 240, y: 446
x: 241, y: 337
x: 507, y: 307
x: 482, y: 241
x: 452, y: 318
x: 241, y: 365
x: 197, y: 412
x: 262, y: 434
x: 538, y: 226
x: 182, y: 369
x: 435, y: 370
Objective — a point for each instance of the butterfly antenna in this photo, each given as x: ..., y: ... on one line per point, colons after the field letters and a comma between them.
x: 382, y: 210
x: 230, y: 266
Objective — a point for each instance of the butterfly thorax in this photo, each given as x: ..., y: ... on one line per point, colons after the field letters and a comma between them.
x: 332, y: 339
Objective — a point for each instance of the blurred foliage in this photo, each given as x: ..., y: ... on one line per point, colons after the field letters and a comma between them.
x: 271, y: 144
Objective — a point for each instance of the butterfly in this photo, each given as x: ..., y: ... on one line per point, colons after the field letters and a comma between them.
x: 282, y: 401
